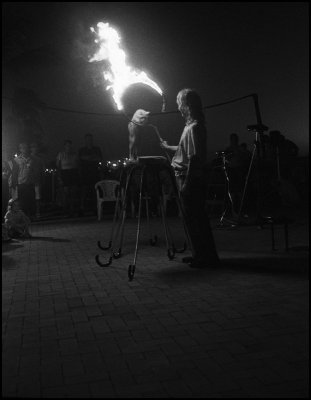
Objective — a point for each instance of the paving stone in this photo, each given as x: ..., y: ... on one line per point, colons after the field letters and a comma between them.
x: 71, y: 329
x: 103, y: 389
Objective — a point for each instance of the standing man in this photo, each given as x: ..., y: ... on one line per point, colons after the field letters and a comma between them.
x: 68, y: 176
x: 38, y: 171
x: 24, y: 180
x: 188, y: 162
x: 89, y: 158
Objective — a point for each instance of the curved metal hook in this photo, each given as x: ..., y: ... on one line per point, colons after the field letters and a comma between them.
x: 171, y: 253
x: 117, y: 254
x: 103, y: 264
x: 104, y: 247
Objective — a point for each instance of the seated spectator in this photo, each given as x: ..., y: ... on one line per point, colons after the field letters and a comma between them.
x: 5, y: 234
x: 16, y: 221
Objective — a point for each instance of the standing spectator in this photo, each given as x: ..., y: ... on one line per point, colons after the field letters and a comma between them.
x: 16, y: 221
x: 6, y: 173
x: 89, y: 158
x: 68, y: 175
x: 38, y: 171
x: 23, y: 180
x: 246, y: 156
x: 11, y: 169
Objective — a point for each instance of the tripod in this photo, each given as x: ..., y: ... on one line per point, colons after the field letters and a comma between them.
x: 228, y: 196
x: 258, y: 153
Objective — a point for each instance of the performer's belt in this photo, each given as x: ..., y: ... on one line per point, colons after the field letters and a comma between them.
x: 180, y: 173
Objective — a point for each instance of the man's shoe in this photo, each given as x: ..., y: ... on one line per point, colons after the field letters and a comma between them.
x: 210, y: 264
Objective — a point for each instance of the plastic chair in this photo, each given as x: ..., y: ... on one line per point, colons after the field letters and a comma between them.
x: 105, y: 191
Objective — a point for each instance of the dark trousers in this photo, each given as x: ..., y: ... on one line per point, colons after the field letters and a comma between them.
x: 26, y: 198
x: 198, y: 225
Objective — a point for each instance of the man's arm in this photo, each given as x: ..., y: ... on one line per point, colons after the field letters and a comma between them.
x: 165, y: 146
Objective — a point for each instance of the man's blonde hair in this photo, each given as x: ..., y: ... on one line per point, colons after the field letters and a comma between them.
x: 192, y: 103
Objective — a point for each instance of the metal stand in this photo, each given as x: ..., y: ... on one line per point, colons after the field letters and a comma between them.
x: 258, y: 197
x: 228, y: 195
x: 146, y: 166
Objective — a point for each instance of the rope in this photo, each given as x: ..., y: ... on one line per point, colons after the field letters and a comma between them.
x: 151, y: 114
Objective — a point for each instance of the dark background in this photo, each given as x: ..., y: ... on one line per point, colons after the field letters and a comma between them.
x: 224, y: 50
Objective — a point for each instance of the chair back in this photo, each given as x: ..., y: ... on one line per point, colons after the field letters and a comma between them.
x: 106, y: 190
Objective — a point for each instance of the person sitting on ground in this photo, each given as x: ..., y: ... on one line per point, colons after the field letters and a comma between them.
x: 16, y: 221
x: 5, y: 234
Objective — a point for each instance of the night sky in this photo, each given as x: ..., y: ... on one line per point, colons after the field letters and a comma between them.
x: 223, y: 50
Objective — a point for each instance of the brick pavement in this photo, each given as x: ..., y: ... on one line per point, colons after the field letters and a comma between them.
x: 73, y: 329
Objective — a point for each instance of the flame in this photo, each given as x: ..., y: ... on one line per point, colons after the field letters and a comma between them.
x: 120, y: 75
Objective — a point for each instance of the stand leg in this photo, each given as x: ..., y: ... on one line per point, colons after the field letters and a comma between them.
x: 120, y: 226
x: 115, y: 220
x: 170, y: 249
x: 152, y: 240
x: 131, y: 268
x: 246, y: 182
x: 117, y: 254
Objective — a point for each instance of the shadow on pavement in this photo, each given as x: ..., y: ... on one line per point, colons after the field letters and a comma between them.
x: 11, y: 245
x: 49, y: 239
x: 8, y: 262
x: 268, y: 264
x: 244, y: 265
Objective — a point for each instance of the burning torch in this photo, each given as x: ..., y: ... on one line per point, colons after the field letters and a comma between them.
x: 119, y: 74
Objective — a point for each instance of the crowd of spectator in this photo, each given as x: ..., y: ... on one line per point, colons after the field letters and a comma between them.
x: 277, y: 158
x: 78, y: 171
x: 23, y: 181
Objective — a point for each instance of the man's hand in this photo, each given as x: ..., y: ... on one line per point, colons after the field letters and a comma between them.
x: 164, y: 145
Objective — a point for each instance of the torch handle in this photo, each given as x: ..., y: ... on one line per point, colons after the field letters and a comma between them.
x: 161, y: 140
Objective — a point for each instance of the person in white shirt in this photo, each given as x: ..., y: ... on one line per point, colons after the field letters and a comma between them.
x: 188, y: 163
